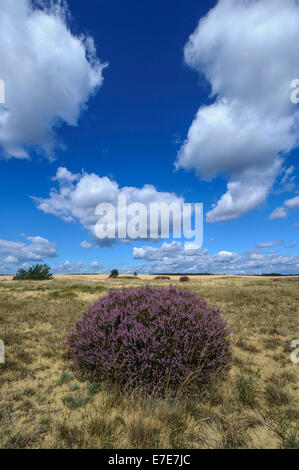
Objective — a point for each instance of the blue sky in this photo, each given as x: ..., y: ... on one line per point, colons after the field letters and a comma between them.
x: 146, y: 98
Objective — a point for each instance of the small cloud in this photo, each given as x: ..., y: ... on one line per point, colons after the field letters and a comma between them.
x: 69, y: 268
x: 225, y: 254
x: 287, y: 182
x: 65, y: 176
x: 278, y: 213
x: 11, y: 259
x: 78, y: 268
x: 33, y: 249
x: 86, y: 245
x: 292, y: 245
x: 293, y: 203
x: 212, y: 240
x: 270, y: 244
x: 191, y: 246
x: 96, y: 266
x: 177, y: 140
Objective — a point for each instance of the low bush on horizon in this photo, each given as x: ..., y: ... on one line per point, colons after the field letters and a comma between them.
x: 129, y: 278
x: 37, y: 272
x: 184, y: 279
x: 152, y: 339
x: 114, y: 273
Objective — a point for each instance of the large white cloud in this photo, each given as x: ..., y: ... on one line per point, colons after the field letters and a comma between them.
x: 49, y: 75
x: 34, y: 249
x: 247, y: 51
x: 176, y: 257
x: 79, y: 194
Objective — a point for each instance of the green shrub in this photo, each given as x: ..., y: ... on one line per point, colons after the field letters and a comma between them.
x: 114, y: 273
x: 37, y: 272
x: 72, y: 402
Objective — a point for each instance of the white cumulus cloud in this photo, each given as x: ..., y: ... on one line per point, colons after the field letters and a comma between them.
x: 293, y: 203
x: 247, y: 52
x: 33, y: 249
x: 270, y: 244
x: 278, y: 213
x: 175, y: 257
x: 78, y: 268
x: 86, y: 245
x: 78, y: 196
x: 49, y: 75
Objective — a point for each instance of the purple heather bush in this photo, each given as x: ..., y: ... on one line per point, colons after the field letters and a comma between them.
x: 184, y: 279
x: 153, y: 339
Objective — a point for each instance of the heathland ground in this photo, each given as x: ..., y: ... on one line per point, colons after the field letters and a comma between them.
x: 42, y: 405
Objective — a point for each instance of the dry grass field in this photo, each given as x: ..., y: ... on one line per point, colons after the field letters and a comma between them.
x: 42, y: 405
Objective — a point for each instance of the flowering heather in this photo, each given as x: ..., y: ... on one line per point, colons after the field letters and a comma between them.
x: 151, y: 338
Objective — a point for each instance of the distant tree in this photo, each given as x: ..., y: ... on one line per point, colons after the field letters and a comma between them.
x: 37, y: 272
x: 114, y: 273
x: 135, y: 274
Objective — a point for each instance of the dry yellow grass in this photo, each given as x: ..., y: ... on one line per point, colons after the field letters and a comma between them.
x: 43, y: 406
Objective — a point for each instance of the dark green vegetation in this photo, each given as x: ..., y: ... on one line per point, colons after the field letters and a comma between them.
x: 37, y: 272
x: 114, y: 273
